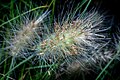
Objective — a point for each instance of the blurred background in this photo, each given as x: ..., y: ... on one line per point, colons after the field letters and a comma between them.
x: 112, y: 7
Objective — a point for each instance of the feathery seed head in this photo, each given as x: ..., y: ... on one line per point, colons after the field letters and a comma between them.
x: 83, y: 40
x: 25, y: 37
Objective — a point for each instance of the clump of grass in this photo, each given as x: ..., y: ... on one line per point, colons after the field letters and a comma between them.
x: 82, y: 41
x: 24, y: 36
x: 78, y: 42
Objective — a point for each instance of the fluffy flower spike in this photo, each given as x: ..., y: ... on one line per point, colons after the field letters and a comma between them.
x: 83, y: 41
x: 24, y: 38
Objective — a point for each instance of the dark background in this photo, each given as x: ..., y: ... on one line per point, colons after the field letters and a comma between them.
x: 112, y: 6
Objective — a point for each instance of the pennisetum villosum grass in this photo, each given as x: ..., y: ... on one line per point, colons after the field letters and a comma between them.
x: 74, y: 41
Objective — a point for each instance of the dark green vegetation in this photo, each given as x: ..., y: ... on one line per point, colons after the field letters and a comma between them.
x: 12, y: 68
